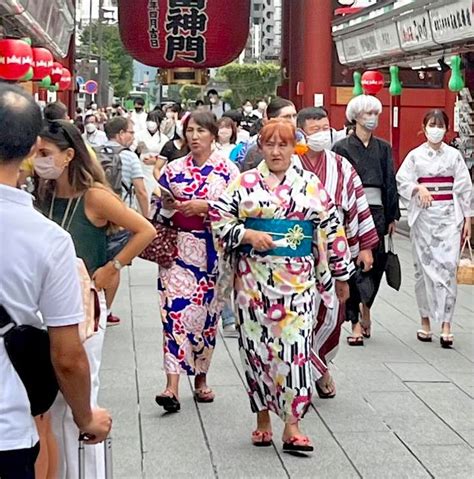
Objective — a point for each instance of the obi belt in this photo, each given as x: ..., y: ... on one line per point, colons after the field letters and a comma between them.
x: 440, y: 187
x: 292, y: 238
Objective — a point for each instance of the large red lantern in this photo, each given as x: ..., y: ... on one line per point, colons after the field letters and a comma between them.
x: 372, y: 82
x: 16, y: 59
x: 65, y: 81
x: 184, y: 33
x: 56, y: 72
x: 42, y: 63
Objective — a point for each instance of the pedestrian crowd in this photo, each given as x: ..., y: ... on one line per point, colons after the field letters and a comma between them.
x: 266, y: 217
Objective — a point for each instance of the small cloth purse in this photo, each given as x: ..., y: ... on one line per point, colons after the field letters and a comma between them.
x: 163, y: 250
x: 393, y: 271
x: 90, y: 302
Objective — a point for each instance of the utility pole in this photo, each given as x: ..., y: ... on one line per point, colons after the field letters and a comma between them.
x: 90, y: 30
x: 100, y: 49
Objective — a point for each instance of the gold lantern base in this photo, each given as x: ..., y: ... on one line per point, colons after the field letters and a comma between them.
x: 182, y: 76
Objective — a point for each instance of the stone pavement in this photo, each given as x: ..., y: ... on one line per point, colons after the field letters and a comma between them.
x: 404, y: 409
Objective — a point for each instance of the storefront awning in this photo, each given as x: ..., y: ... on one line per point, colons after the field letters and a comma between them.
x: 405, y: 32
x: 49, y: 23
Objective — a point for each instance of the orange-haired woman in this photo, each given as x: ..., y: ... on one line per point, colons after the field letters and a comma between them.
x: 272, y: 223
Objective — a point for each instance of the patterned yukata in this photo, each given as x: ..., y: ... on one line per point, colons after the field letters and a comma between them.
x: 344, y: 187
x: 275, y: 295
x: 436, y: 231
x: 189, y: 307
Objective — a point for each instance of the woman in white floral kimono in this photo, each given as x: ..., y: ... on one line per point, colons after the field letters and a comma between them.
x: 279, y: 230
x: 435, y: 182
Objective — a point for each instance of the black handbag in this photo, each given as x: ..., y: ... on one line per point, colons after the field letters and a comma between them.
x: 393, y: 271
x: 29, y: 352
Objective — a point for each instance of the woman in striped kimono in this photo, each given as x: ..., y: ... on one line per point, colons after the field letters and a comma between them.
x: 344, y: 187
x: 280, y: 231
x: 434, y: 181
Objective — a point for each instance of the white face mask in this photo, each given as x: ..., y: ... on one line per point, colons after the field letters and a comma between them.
x: 94, y: 107
x: 90, y: 128
x: 370, y: 122
x: 152, y: 126
x: 46, y: 168
x: 225, y: 135
x: 248, y: 109
x: 319, y: 141
x: 434, y: 134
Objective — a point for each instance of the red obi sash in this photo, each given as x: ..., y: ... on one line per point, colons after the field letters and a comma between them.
x: 440, y: 187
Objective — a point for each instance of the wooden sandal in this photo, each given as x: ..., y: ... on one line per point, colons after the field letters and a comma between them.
x: 446, y: 340
x: 298, y: 444
x: 355, y: 340
x: 262, y: 438
x: 204, y: 395
x: 424, y: 336
x: 168, y: 403
x: 366, y: 328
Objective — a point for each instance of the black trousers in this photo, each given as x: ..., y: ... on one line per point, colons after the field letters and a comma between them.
x: 377, y: 271
x: 19, y: 463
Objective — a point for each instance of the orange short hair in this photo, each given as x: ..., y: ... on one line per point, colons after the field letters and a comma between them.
x: 283, y: 129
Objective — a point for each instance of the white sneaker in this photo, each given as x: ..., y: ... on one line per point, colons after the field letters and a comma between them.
x: 230, y: 331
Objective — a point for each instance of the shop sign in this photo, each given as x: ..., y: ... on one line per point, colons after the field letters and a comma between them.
x: 369, y: 47
x: 387, y: 39
x: 453, y: 22
x: 415, y: 31
x: 351, y: 49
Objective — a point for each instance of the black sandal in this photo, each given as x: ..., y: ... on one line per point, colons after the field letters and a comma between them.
x: 168, y: 403
x: 446, y: 340
x: 355, y: 340
x: 324, y: 395
x: 366, y: 328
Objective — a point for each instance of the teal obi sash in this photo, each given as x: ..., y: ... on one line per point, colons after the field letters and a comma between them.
x: 298, y: 235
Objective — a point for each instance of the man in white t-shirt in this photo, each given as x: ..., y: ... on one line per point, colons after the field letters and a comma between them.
x: 38, y: 276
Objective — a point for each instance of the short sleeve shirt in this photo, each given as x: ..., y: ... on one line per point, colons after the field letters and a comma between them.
x: 39, y: 286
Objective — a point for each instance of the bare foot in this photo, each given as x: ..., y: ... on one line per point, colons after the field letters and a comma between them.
x: 326, y: 383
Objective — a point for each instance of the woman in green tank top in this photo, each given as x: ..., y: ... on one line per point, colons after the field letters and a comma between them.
x: 74, y: 193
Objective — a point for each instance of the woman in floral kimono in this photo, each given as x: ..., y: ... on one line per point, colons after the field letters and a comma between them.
x: 435, y: 182
x: 189, y: 307
x: 280, y: 232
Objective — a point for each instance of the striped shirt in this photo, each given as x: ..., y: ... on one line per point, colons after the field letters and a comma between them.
x: 344, y: 187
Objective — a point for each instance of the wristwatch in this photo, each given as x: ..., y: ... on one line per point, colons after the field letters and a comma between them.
x: 117, y: 264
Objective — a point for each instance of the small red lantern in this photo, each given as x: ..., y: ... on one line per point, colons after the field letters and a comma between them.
x: 56, y: 72
x: 372, y: 82
x: 16, y: 59
x: 65, y: 80
x: 184, y: 33
x: 42, y: 63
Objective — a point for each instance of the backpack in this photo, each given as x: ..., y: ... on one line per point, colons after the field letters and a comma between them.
x: 111, y: 162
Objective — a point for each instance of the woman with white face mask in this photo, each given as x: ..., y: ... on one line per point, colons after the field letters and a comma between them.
x: 226, y: 137
x: 435, y: 183
x: 371, y: 157
x: 150, y: 142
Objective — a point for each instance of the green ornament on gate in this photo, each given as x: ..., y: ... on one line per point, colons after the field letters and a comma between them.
x: 28, y: 76
x: 395, y: 88
x: 357, y: 90
x: 456, y: 82
x: 45, y: 82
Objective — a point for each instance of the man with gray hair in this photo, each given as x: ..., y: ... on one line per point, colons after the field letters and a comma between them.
x: 371, y: 157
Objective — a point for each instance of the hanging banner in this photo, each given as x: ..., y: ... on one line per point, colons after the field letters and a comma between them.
x: 184, y: 33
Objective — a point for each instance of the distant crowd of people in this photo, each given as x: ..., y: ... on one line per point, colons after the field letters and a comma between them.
x: 264, y: 216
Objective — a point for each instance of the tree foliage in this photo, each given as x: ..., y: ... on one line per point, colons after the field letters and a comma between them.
x: 120, y: 63
x: 190, y: 92
x: 249, y: 81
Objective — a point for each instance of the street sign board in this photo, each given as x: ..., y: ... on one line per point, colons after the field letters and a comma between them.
x: 91, y: 87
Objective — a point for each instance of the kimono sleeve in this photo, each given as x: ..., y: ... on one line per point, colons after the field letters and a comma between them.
x: 390, y: 193
x: 462, y: 186
x: 227, y: 227
x: 407, y: 178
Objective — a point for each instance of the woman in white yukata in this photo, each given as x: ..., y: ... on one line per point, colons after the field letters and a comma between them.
x: 435, y: 182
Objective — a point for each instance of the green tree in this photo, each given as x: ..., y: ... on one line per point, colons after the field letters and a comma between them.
x: 190, y: 93
x: 249, y: 81
x: 120, y: 63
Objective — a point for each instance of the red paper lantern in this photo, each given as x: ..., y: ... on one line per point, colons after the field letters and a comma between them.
x: 184, y: 33
x: 372, y: 82
x: 65, y: 81
x: 56, y: 72
x: 16, y: 59
x: 42, y: 63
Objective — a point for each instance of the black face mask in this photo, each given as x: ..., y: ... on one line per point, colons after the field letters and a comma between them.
x: 138, y: 109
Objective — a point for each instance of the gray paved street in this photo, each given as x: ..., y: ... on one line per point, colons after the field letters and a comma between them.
x: 403, y: 409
